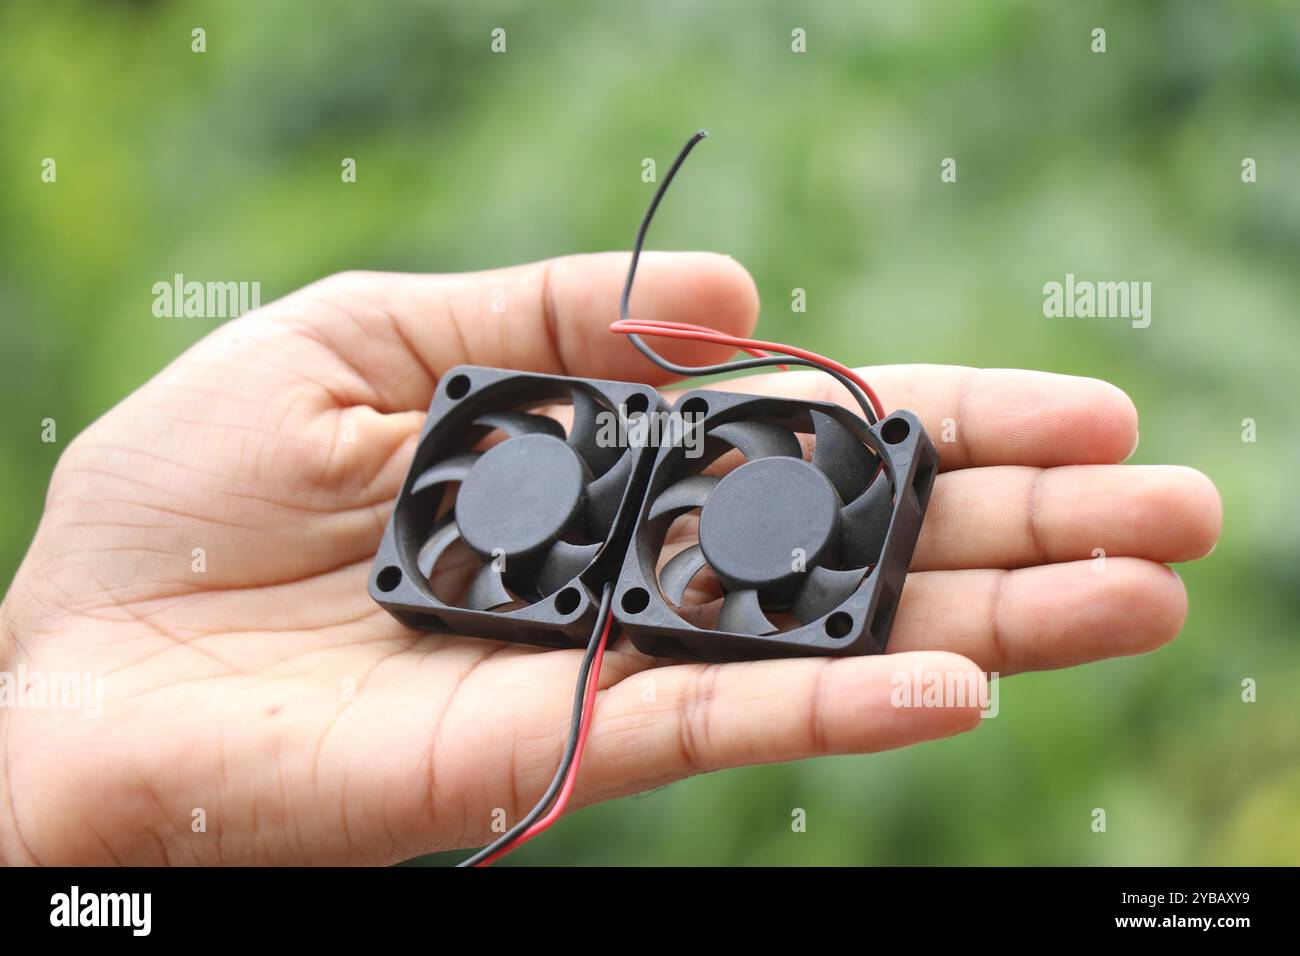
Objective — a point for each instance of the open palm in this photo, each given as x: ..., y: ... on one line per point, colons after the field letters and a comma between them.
x: 205, y: 547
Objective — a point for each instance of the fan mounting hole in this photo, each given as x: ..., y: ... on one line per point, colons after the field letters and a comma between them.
x: 567, y: 601
x: 389, y: 578
x: 636, y: 600
x: 839, y: 624
x: 457, y: 386
x: 695, y: 408
x: 636, y: 404
x: 895, y: 430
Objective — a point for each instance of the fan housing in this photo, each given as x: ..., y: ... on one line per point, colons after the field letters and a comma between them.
x: 811, y: 555
x: 536, y: 523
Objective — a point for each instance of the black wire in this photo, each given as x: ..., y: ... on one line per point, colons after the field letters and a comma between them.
x: 689, y: 371
x: 584, y: 672
x: 570, y: 747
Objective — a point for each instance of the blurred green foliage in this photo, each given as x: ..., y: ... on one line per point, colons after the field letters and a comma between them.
x: 823, y: 174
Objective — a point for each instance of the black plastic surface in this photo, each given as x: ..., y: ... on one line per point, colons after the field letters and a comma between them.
x: 521, y: 505
x: 750, y: 526
x: 564, y: 516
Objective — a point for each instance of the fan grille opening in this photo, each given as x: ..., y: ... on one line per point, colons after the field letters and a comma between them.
x: 773, y: 527
x: 525, y: 503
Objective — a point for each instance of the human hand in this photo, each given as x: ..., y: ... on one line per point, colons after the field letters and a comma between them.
x: 269, y: 692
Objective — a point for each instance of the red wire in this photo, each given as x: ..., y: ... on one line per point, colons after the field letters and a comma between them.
x: 584, y: 729
x: 677, y: 330
x: 687, y: 327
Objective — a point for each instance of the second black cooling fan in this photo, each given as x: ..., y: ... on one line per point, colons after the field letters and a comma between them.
x: 809, y: 555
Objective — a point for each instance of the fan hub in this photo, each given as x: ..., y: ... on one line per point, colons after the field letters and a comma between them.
x: 768, y: 521
x: 519, y: 496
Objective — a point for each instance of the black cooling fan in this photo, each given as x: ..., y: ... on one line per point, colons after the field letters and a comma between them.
x: 529, y: 493
x: 508, y: 524
x: 809, y: 555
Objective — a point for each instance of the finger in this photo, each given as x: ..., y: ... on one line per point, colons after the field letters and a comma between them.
x: 986, y: 416
x: 671, y: 722
x: 399, y: 332
x: 1056, y: 615
x: 1013, y: 516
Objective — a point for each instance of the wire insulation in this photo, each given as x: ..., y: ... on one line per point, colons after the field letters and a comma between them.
x: 573, y: 744
x: 865, y: 396
x: 571, y: 778
x: 561, y: 788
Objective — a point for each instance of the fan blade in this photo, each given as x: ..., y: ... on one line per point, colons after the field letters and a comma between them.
x: 563, y: 563
x: 759, y: 439
x: 449, y: 469
x: 845, y: 460
x: 487, y: 590
x: 432, y: 549
x: 742, y: 614
x: 678, y: 572
x: 515, y: 424
x: 585, y: 432
x: 865, y: 521
x: 824, y: 590
x: 603, y: 498
x: 688, y: 493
